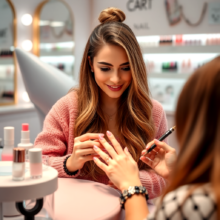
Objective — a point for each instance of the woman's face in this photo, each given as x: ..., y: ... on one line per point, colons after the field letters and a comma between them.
x: 112, y: 70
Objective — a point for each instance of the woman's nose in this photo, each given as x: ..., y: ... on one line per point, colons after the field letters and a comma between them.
x: 115, y: 77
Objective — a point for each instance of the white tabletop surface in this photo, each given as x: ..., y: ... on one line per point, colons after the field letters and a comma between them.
x: 28, y: 188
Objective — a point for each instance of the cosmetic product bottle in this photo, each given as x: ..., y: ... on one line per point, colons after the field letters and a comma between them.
x: 7, y: 152
x: 25, y: 140
x: 1, y: 148
x: 35, y: 159
x: 18, y: 166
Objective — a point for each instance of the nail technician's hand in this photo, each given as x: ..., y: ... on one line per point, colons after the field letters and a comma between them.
x: 162, y: 158
x: 82, y: 151
x: 120, y: 167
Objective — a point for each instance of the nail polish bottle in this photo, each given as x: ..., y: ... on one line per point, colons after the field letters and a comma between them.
x: 18, y: 165
x: 25, y: 140
x: 35, y: 160
x: 7, y: 152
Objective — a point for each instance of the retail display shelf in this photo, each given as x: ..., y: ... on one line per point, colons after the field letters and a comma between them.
x: 56, y: 53
x: 173, y: 75
x: 181, y: 49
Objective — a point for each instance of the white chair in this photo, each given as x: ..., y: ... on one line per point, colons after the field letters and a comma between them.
x: 44, y: 83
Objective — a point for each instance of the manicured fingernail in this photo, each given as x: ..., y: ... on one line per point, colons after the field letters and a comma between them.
x: 94, y: 158
x: 101, y: 137
x: 126, y: 149
x: 95, y: 147
x: 141, y: 157
x: 143, y: 152
x: 109, y: 133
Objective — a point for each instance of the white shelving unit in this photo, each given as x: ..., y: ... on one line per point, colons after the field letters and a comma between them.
x: 166, y: 85
x: 60, y: 53
x: 165, y: 49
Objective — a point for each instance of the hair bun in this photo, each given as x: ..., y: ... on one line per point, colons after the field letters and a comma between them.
x: 111, y: 14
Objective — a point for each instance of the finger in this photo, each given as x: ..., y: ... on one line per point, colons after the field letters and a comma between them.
x: 150, y: 144
x: 144, y: 152
x: 127, y: 153
x: 148, y: 161
x: 88, y: 144
x: 103, y: 155
x: 89, y: 136
x: 151, y: 155
x: 108, y: 147
x: 115, y: 143
x: 85, y: 152
x: 163, y: 145
x: 156, y: 149
x: 100, y: 164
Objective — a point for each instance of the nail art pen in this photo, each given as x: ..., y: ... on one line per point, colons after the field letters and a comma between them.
x: 170, y: 131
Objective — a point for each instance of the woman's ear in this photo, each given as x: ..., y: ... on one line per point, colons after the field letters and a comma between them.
x: 90, y: 63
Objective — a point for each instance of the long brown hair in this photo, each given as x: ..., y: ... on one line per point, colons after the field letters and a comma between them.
x: 135, y: 123
x: 198, y: 131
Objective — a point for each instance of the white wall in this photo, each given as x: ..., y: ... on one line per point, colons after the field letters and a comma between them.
x: 154, y: 17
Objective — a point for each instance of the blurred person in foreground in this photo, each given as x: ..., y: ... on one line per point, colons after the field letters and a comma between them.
x: 193, y: 192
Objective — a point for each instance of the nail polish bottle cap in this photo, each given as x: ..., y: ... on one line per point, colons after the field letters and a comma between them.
x: 18, y: 155
x: 25, y: 127
x: 35, y: 155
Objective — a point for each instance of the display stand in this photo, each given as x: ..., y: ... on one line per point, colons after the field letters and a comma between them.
x: 27, y: 189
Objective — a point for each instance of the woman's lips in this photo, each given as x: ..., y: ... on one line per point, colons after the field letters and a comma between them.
x: 115, y: 88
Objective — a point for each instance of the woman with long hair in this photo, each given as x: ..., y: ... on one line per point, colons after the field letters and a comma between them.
x: 113, y: 94
x: 193, y: 192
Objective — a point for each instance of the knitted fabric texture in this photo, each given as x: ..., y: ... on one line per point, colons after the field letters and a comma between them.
x: 57, y: 140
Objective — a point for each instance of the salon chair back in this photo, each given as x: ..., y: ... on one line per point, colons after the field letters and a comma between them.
x: 44, y: 83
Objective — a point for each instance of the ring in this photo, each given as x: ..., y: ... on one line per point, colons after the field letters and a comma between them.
x: 107, y: 160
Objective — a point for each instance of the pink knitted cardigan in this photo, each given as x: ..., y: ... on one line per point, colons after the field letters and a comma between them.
x: 57, y: 140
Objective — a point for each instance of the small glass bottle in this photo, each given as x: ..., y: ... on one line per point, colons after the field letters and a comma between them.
x: 18, y: 166
x: 35, y: 159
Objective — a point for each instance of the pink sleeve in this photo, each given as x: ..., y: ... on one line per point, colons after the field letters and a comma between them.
x: 154, y: 183
x: 53, y: 142
x: 162, y: 126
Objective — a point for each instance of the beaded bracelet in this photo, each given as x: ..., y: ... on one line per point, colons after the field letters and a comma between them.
x: 66, y: 170
x: 131, y: 191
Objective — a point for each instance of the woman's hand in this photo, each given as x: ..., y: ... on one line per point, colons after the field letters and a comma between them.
x: 162, y: 158
x: 120, y: 167
x: 82, y: 151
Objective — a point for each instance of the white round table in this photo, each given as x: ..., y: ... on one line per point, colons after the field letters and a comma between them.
x: 28, y: 188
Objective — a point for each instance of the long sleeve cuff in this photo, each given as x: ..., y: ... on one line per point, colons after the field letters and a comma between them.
x: 57, y: 163
x: 154, y: 183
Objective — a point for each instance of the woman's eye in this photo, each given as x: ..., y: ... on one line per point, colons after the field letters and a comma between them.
x: 126, y: 68
x: 105, y: 69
